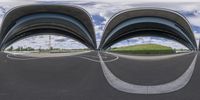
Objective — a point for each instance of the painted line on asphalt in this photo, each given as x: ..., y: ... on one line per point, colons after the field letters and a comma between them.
x: 136, y: 57
x: 172, y: 86
x: 90, y: 56
x: 14, y: 56
x: 9, y: 56
x: 87, y: 58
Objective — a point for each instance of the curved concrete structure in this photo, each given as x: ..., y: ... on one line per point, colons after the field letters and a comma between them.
x: 28, y: 20
x: 169, y: 87
x: 148, y: 21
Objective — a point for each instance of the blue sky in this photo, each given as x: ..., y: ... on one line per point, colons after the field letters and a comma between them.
x: 102, y: 11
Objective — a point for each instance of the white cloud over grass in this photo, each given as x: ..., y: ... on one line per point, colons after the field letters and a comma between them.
x: 151, y: 40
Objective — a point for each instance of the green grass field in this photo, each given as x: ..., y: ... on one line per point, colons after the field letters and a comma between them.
x: 144, y: 49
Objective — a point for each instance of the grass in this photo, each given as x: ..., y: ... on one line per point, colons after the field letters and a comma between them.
x: 144, y: 49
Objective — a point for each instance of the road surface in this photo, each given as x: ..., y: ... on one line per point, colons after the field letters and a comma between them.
x: 83, y: 77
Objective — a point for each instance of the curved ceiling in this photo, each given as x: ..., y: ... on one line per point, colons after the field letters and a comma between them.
x: 148, y: 21
x: 75, y: 22
x: 27, y: 20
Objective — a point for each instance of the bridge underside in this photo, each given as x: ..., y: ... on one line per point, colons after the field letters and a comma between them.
x: 31, y: 20
x: 143, y: 22
x: 75, y: 22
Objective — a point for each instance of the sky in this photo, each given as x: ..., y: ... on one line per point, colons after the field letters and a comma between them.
x: 101, y: 11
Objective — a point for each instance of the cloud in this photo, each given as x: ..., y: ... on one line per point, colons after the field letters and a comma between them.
x: 60, y: 40
x: 42, y: 41
x: 152, y: 40
x: 125, y: 2
x: 195, y: 20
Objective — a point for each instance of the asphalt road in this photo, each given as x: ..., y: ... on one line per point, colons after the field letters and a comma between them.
x: 80, y: 77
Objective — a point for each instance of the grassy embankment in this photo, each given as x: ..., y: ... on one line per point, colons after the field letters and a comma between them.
x: 144, y: 49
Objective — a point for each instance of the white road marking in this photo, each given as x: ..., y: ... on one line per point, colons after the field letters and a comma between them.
x: 172, y: 86
x: 9, y: 56
x: 88, y: 58
x: 26, y: 57
x: 135, y: 57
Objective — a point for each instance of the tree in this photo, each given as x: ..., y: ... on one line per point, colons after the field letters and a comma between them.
x: 17, y: 49
x: 10, y: 49
x: 29, y: 49
x: 51, y: 48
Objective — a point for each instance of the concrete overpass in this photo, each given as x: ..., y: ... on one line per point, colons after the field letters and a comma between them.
x: 28, y: 20
x: 148, y: 22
